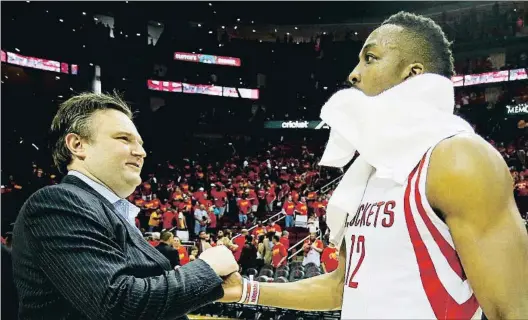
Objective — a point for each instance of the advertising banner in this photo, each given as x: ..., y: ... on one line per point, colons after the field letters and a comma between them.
x: 207, y: 58
x: 38, y: 63
x: 517, y: 110
x: 296, y: 124
x: 207, y: 89
x: 518, y: 74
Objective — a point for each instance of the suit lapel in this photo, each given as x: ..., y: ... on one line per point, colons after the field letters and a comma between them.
x: 136, y: 238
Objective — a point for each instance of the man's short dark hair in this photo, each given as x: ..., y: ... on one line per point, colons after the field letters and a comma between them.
x: 74, y: 116
x: 277, y: 238
x: 166, y: 235
x: 429, y: 40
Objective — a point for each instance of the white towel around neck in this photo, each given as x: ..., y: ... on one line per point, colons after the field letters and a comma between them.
x: 391, y: 131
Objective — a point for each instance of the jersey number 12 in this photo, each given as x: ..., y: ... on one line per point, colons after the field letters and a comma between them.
x: 357, y: 246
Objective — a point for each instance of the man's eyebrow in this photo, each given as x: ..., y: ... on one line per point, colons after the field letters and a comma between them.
x: 130, y: 135
x: 366, y: 47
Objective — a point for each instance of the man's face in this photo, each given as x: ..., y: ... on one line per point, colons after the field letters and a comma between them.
x: 114, y: 155
x: 312, y: 237
x: 220, y: 234
x: 202, y: 235
x: 381, y: 64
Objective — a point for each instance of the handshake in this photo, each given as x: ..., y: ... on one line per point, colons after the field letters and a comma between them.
x: 223, y: 263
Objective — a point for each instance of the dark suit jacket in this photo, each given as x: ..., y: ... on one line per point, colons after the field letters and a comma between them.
x: 170, y: 253
x: 75, y: 257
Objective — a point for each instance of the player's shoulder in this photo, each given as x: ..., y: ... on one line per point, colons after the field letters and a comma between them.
x: 462, y: 163
x: 465, y: 155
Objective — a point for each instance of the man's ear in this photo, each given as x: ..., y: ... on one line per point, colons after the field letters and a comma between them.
x: 412, y: 70
x: 76, y: 145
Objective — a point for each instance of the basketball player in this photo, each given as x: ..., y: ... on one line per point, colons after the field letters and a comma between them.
x: 462, y: 191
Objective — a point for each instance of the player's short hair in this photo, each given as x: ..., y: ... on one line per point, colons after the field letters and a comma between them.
x: 74, y: 116
x: 276, y: 237
x: 429, y: 40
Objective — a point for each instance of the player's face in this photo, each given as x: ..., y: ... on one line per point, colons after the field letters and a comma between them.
x: 381, y: 61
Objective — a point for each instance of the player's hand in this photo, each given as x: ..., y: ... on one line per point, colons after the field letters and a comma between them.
x: 232, y: 288
x: 220, y: 259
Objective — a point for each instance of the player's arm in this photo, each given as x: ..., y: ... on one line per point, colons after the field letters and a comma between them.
x: 320, y: 293
x: 469, y: 183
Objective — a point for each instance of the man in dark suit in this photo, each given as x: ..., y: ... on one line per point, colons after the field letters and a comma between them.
x: 76, y: 251
x: 166, y: 249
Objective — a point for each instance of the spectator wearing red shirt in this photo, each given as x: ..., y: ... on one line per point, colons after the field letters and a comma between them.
x: 240, y: 241
x: 198, y: 195
x: 289, y: 210
x: 319, y: 207
x: 278, y: 253
x: 285, y: 239
x: 312, y: 250
x: 182, y: 251
x: 273, y: 227
x: 259, y: 230
x: 243, y: 207
x: 301, y: 207
x: 168, y: 219
x: 219, y: 196
x: 270, y: 198
x: 295, y: 196
x: 329, y: 258
x: 205, y: 201
x: 212, y: 221
x: 252, y: 195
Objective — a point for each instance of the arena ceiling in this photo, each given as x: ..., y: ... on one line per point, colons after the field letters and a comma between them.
x: 227, y: 12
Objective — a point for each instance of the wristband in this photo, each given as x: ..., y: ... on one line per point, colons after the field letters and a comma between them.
x: 250, y: 292
x: 255, y: 293
x: 245, y: 291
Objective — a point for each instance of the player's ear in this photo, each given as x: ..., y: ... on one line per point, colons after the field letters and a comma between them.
x: 412, y: 70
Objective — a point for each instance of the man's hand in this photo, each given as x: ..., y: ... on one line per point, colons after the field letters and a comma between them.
x: 221, y: 260
x: 232, y: 288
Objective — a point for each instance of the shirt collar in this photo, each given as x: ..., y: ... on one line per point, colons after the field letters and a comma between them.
x: 101, y: 189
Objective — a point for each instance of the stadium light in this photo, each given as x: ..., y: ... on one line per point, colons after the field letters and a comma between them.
x: 61, y: 20
x: 296, y: 28
x: 96, y: 19
x: 236, y: 27
x: 84, y: 13
x: 138, y: 34
x: 210, y: 31
x: 254, y: 30
x: 238, y: 19
x: 223, y: 27
x: 17, y: 50
x: 199, y: 24
x: 355, y: 33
